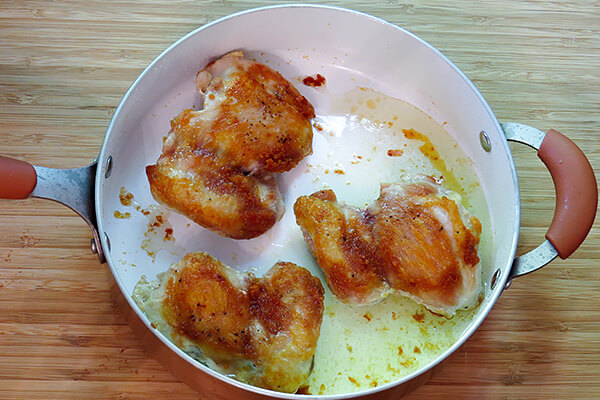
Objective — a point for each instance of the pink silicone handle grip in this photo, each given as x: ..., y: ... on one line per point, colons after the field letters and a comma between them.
x: 17, y: 178
x: 576, y: 192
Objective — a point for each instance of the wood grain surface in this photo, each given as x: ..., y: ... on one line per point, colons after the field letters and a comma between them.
x: 64, y: 66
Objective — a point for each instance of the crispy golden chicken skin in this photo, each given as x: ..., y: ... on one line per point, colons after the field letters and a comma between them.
x: 415, y: 239
x: 215, y: 195
x: 341, y: 240
x: 428, y: 244
x: 253, y: 118
x: 263, y: 330
x: 217, y: 164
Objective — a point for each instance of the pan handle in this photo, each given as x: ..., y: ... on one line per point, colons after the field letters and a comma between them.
x: 71, y: 187
x: 576, y: 195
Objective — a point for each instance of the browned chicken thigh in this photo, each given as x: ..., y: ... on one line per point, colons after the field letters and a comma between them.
x: 214, y: 195
x: 262, y: 330
x: 253, y: 118
x: 415, y: 239
x: 340, y: 238
x: 217, y: 164
x: 428, y: 244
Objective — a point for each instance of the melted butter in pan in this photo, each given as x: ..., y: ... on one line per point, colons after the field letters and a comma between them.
x: 362, y: 347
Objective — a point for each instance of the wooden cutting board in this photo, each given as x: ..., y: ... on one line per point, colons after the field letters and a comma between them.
x: 65, y: 65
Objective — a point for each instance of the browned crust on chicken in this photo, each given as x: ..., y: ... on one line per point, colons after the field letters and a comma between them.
x: 216, y: 196
x: 273, y: 321
x: 288, y: 303
x: 263, y: 122
x: 204, y: 305
x: 341, y: 241
x: 254, y: 124
x: 417, y: 251
x: 399, y: 240
x: 288, y: 294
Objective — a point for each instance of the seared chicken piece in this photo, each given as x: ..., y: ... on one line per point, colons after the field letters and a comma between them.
x: 253, y: 118
x: 340, y: 238
x: 416, y: 238
x: 214, y: 195
x: 217, y: 164
x: 428, y: 243
x: 262, y: 330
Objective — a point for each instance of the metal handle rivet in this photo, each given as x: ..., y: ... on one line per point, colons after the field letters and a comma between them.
x: 109, y: 166
x: 107, y: 241
x: 485, y: 141
x: 495, y: 278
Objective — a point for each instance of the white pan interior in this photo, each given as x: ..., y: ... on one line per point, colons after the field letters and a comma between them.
x: 348, y: 48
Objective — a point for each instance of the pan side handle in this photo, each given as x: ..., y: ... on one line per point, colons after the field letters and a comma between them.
x: 72, y: 187
x: 576, y: 195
